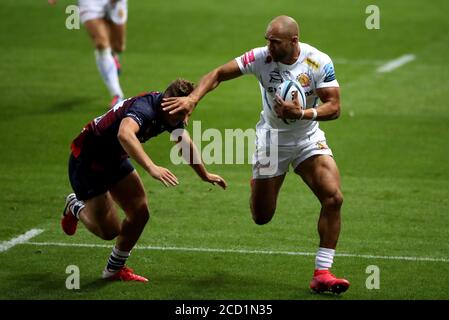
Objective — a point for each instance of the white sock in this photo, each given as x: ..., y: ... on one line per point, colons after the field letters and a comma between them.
x: 77, y: 208
x: 116, y: 261
x: 108, y: 71
x: 324, y: 258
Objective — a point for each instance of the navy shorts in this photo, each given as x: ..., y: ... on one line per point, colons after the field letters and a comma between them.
x: 90, y: 178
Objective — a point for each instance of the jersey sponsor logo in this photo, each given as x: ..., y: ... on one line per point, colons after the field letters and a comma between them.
x: 287, y: 75
x: 247, y: 58
x: 329, y: 72
x: 309, y: 93
x: 312, y: 63
x: 303, y: 79
x: 275, y: 76
x: 271, y: 90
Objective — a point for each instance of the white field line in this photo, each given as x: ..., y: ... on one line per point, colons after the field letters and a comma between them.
x: 358, y: 61
x: 241, y: 251
x: 6, y: 245
x: 396, y: 63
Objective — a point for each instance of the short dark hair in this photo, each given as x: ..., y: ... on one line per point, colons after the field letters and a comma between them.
x: 179, y: 88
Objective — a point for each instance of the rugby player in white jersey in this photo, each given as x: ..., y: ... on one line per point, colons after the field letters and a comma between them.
x: 301, y: 143
x: 105, y: 21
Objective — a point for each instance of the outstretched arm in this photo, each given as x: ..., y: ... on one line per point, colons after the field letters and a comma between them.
x: 207, y: 83
x: 193, y: 158
x: 131, y: 144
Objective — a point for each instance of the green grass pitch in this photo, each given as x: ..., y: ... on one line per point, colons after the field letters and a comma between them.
x: 391, y: 144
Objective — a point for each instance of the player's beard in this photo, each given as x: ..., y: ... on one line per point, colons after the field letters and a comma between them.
x: 279, y: 55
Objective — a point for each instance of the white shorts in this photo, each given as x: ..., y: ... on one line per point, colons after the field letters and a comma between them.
x: 271, y: 159
x: 116, y: 11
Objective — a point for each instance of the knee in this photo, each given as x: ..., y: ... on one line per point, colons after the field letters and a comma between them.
x: 140, y: 215
x: 109, y: 234
x: 262, y: 216
x: 144, y: 216
x: 101, y: 43
x: 334, y: 200
x: 101, y: 46
x: 119, y: 47
x: 261, y: 220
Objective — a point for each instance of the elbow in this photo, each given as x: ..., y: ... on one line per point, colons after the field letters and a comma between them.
x: 219, y: 75
x: 336, y: 110
x: 122, y: 137
x: 211, y: 79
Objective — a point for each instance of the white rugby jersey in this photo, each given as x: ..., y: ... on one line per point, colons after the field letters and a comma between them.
x: 313, y: 70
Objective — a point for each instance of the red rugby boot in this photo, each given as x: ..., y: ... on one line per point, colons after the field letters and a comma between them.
x: 324, y: 280
x: 69, y: 222
x: 124, y: 274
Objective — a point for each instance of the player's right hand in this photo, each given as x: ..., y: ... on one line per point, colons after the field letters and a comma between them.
x: 164, y: 175
x: 178, y: 104
x: 216, y: 179
x: 288, y: 109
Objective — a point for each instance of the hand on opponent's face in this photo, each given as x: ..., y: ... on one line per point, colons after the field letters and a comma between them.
x: 178, y: 104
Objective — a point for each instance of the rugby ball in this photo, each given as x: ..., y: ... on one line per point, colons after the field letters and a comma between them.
x: 286, y: 89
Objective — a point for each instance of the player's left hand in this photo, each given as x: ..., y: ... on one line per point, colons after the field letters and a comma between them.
x: 288, y: 109
x: 216, y: 179
x: 178, y: 104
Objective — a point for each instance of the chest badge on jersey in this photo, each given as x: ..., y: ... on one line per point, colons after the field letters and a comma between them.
x: 303, y: 79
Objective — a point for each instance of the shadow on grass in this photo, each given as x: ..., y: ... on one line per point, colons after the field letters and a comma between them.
x: 253, y: 287
x: 220, y: 285
x: 216, y: 286
x: 69, y: 104
x: 36, y: 286
x: 46, y: 285
x: 308, y: 294
x: 42, y: 107
x: 96, y: 284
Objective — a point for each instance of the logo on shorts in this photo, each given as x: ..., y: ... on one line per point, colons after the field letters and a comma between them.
x: 304, y: 79
x: 121, y: 13
x: 322, y: 145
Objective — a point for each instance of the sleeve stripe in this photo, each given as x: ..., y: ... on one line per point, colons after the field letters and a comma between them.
x: 135, y: 118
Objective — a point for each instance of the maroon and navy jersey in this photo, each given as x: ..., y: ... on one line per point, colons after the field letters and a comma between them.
x: 98, y: 139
